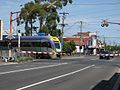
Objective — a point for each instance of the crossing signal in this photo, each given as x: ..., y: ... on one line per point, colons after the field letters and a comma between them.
x: 47, y: 9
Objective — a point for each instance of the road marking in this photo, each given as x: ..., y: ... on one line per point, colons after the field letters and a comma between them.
x: 105, y: 60
x: 44, y: 81
x: 18, y: 66
x: 3, y: 64
x: 101, y: 60
x: 93, y: 59
x: 21, y: 70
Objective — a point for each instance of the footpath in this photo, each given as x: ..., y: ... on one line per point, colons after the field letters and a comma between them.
x: 7, y: 63
x: 62, y: 58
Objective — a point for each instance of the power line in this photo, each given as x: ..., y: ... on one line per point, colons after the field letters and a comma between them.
x: 89, y: 4
x: 71, y: 26
x: 103, y: 11
x: 109, y: 37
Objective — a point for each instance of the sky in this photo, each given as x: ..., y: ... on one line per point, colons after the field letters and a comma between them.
x: 91, y: 12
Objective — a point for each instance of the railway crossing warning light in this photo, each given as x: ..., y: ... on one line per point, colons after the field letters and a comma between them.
x: 47, y: 9
x: 104, y: 23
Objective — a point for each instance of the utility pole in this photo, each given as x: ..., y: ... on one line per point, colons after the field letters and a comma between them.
x: 10, y: 35
x: 63, y: 25
x: 81, y: 26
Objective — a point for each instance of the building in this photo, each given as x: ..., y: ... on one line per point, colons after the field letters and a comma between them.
x: 86, y: 42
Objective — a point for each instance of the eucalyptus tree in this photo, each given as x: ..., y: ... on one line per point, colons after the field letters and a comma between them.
x: 52, y: 17
x: 28, y: 16
x: 47, y: 15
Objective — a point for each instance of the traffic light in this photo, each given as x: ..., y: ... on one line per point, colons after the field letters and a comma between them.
x: 104, y: 23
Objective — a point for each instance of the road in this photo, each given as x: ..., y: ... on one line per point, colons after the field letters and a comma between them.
x: 70, y: 74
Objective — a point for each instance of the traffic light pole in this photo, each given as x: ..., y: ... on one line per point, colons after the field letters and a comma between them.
x: 106, y: 23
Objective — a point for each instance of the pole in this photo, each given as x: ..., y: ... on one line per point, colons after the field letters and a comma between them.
x: 63, y: 18
x: 104, y: 43
x: 10, y: 51
x: 10, y: 22
x: 19, y: 34
x: 63, y: 25
x: 81, y: 23
x: 10, y: 36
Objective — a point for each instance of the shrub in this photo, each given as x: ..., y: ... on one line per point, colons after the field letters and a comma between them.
x: 24, y: 59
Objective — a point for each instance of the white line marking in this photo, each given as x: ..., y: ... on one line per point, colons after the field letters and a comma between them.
x: 21, y: 70
x: 92, y: 59
x: 44, y: 81
x: 104, y: 60
x: 5, y: 64
x: 101, y: 60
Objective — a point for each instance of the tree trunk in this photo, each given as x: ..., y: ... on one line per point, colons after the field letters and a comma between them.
x: 41, y: 24
x: 31, y: 27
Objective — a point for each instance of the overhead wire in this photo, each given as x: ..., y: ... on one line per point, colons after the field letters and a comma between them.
x: 87, y: 4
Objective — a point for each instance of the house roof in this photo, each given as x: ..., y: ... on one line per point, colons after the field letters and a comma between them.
x: 85, y: 41
x: 83, y: 34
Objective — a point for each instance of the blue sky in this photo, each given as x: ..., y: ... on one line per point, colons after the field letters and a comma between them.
x: 91, y: 12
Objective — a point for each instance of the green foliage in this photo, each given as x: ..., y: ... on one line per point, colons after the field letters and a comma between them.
x: 24, y: 59
x: 113, y: 48
x: 28, y: 16
x: 48, y: 18
x: 69, y: 47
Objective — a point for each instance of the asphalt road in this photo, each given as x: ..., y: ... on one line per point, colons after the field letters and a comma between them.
x: 70, y: 74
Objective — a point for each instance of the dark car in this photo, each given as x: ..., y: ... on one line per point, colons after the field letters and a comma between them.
x: 105, y: 55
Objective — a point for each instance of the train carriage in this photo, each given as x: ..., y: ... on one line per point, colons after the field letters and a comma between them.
x: 40, y: 46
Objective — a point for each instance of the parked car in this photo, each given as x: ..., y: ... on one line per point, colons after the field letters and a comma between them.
x: 105, y: 55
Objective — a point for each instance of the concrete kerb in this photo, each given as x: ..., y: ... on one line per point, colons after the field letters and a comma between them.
x: 62, y: 58
x: 7, y: 63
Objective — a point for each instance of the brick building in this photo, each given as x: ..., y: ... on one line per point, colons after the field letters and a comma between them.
x: 88, y: 44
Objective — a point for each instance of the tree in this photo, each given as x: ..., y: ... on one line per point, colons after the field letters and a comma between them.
x: 28, y: 16
x: 48, y: 20
x: 69, y: 47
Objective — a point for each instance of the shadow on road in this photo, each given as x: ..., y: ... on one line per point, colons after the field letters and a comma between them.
x: 112, y: 84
